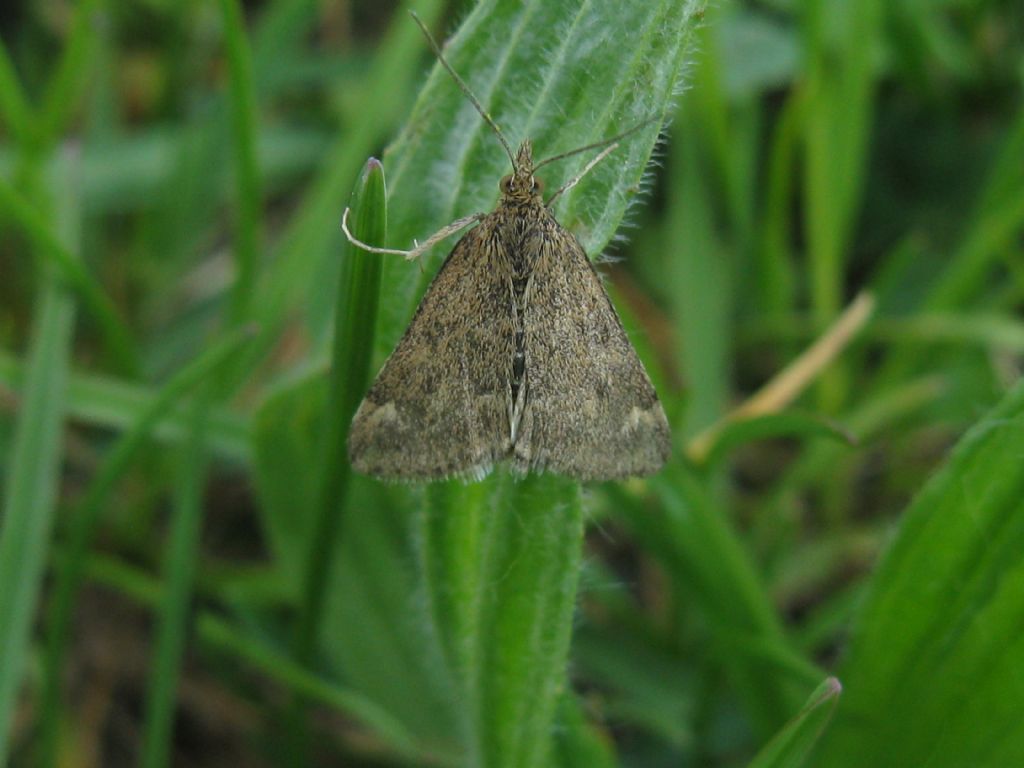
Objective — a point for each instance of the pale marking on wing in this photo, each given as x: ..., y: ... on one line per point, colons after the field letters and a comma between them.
x: 637, y: 417
x: 383, y: 413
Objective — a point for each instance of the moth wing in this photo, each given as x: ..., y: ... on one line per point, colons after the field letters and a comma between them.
x: 591, y: 411
x: 440, y: 405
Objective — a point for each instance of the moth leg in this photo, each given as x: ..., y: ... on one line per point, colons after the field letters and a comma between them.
x: 420, y: 248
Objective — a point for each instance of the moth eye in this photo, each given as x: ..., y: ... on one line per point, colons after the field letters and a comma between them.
x: 538, y: 185
x: 505, y: 184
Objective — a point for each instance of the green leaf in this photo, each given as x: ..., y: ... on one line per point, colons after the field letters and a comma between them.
x: 933, y: 671
x: 305, y: 422
x: 500, y: 564
x: 695, y: 257
x: 792, y: 745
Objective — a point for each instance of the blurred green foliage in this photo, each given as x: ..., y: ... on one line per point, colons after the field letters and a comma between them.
x: 188, y: 574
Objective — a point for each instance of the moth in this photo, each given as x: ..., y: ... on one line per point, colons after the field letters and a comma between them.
x: 514, y: 355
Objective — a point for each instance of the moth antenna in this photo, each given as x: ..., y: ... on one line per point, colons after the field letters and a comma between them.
x: 465, y: 89
x: 597, y: 144
x: 586, y: 169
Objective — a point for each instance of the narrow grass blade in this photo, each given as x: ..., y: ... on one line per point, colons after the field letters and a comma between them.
x: 703, y: 317
x: 793, y: 744
x: 86, y: 518
x: 32, y: 480
x: 15, y: 111
x: 837, y: 117
x: 109, y: 403
x: 70, y: 77
x: 248, y: 191
x: 356, y: 310
x: 783, y: 424
x: 50, y: 252
x: 775, y: 261
x: 179, y: 575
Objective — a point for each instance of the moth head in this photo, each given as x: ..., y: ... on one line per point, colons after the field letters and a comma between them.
x: 519, y: 186
x: 521, y: 183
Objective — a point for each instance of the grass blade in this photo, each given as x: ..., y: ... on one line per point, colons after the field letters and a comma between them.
x: 792, y: 745
x: 70, y: 76
x: 358, y: 292
x: 110, y: 403
x: 247, y: 180
x: 179, y: 569
x: 837, y: 119
x: 14, y: 107
x: 50, y: 252
x: 33, y: 479
x: 86, y: 518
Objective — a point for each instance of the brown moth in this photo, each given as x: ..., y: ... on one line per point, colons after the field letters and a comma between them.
x: 515, y: 355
